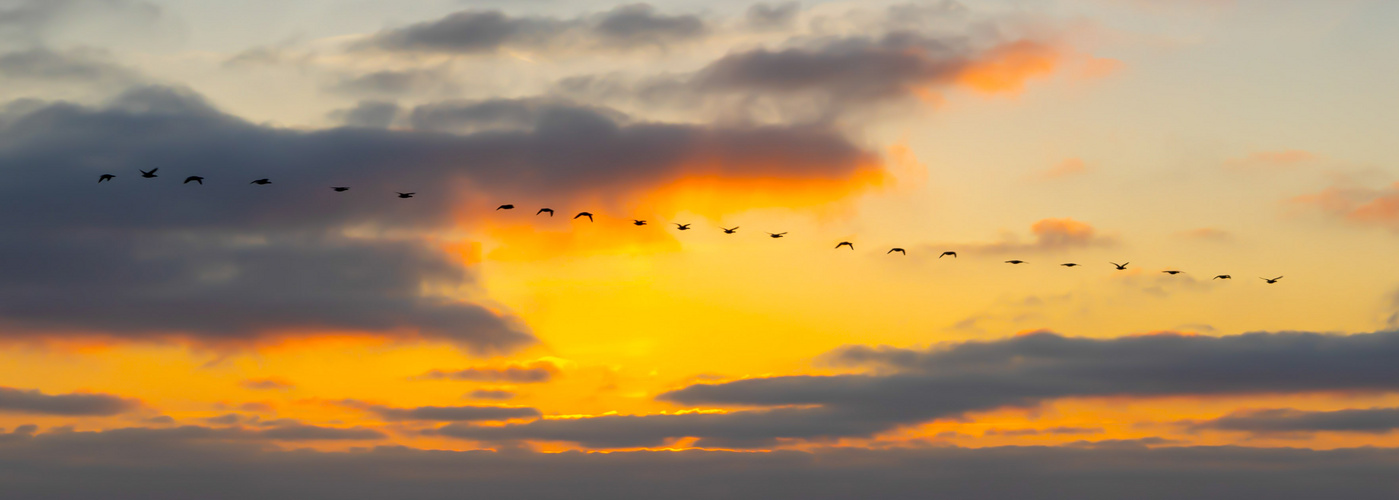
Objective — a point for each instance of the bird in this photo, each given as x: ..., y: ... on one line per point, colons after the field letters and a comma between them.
x: 1224, y: 277
x: 589, y: 215
x: 777, y: 235
x: 638, y: 222
x: 896, y: 249
x: 730, y: 230
x: 1271, y: 281
x: 340, y: 189
x: 543, y: 210
x: 944, y: 254
x: 148, y: 175
x: 845, y: 244
x: 261, y: 182
x: 1068, y: 264
x: 1172, y: 272
x: 194, y: 178
x: 105, y: 177
x: 1015, y: 262
x: 681, y: 227
x: 507, y: 207
x: 1121, y: 266
x: 405, y: 195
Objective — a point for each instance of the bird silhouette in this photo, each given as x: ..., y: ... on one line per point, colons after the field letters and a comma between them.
x: 944, y: 254
x: 543, y: 210
x: 777, y: 235
x: 507, y: 207
x: 148, y: 175
x: 1121, y: 266
x: 896, y: 249
x: 1224, y: 277
x: 340, y: 189
x: 845, y: 244
x: 261, y: 182
x: 589, y: 215
x: 638, y: 222
x: 105, y: 177
x: 1271, y: 281
x: 1173, y: 272
x: 682, y: 227
x: 194, y: 178
x: 405, y: 195
x: 1069, y: 264
x: 1015, y: 262
x: 730, y: 230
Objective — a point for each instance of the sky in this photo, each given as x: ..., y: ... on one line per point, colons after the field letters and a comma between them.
x: 168, y: 338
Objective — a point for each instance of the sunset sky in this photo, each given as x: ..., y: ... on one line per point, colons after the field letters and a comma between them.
x: 169, y: 339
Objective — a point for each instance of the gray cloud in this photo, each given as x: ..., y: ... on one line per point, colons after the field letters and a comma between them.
x: 769, y: 16
x: 397, y: 83
x: 1373, y: 421
x: 31, y: 21
x: 491, y: 394
x: 912, y: 386
x: 497, y: 114
x: 34, y: 402
x: 370, y: 114
x: 186, y: 462
x: 266, y: 384
x: 229, y: 262
x: 476, y: 32
x: 520, y: 374
x: 446, y: 413
x: 68, y: 66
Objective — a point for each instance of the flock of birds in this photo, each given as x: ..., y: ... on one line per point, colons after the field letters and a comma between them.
x: 682, y: 227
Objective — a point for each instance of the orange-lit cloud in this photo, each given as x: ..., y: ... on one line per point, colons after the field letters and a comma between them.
x: 1049, y: 235
x: 1007, y: 68
x: 1273, y: 159
x: 1377, y: 207
x: 1068, y: 168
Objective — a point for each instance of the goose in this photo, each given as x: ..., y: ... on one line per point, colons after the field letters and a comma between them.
x: 777, y: 235
x: 194, y: 178
x: 1120, y: 267
x: 896, y: 249
x: 682, y: 227
x: 105, y: 177
x: 406, y: 195
x: 845, y: 244
x: 730, y: 230
x: 340, y: 189
x: 944, y: 254
x: 148, y: 175
x: 507, y: 207
x: 1015, y: 262
x: 589, y: 215
x: 549, y: 211
x: 1271, y: 281
x: 261, y: 182
x: 1224, y: 277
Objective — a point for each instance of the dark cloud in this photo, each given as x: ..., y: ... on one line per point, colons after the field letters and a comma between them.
x: 302, y: 432
x: 34, y: 402
x: 1274, y: 421
x: 911, y: 386
x: 148, y: 258
x: 31, y: 21
x: 541, y: 371
x: 446, y: 413
x: 68, y: 66
x: 186, y: 463
x: 1041, y: 432
x: 767, y: 16
x: 397, y: 83
x: 491, y: 394
x: 497, y: 114
x: 474, y: 32
x: 370, y: 114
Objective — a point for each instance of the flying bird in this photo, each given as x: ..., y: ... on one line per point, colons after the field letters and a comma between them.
x: 1173, y: 272
x: 1224, y: 277
x: 148, y: 175
x: 944, y: 254
x: 1271, y: 281
x: 105, y: 177
x: 730, y: 230
x: 896, y: 249
x: 1121, y: 266
x: 777, y: 235
x: 1068, y: 264
x: 845, y: 244
x: 405, y: 195
x: 507, y: 207
x: 261, y: 182
x: 589, y: 215
x: 194, y: 178
x: 638, y: 222
x: 543, y: 210
x: 340, y: 189
x: 1015, y: 262
x: 682, y: 227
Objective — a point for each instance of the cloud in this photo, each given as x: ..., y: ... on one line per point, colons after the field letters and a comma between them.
x: 267, y: 384
x: 1272, y: 159
x: 133, y: 464
x: 1281, y: 421
x: 75, y: 405
x: 910, y: 386
x: 1067, y: 168
x: 369, y: 114
x: 31, y: 21
x: 491, y: 394
x: 1049, y: 236
x: 1041, y: 432
x: 231, y: 263
x: 396, y: 83
x: 1375, y: 207
x: 44, y: 65
x: 482, y: 32
x: 769, y: 16
x: 536, y: 372
x: 498, y: 114
x: 446, y: 413
x: 1212, y: 234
